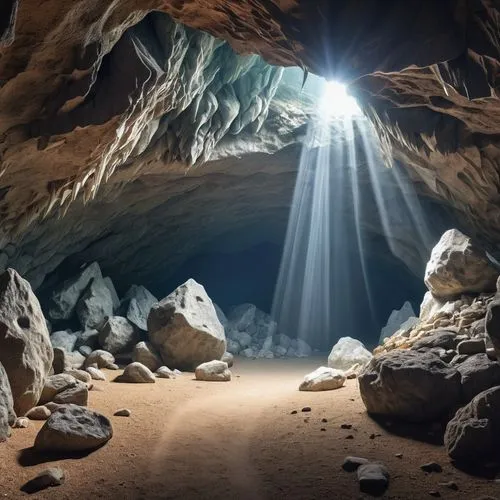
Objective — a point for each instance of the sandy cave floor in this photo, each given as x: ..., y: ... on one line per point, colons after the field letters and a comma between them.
x: 206, y: 440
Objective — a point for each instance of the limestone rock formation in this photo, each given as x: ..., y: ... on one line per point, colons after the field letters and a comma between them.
x: 396, y: 384
x: 7, y: 414
x: 457, y: 266
x: 25, y: 349
x: 323, y: 379
x: 185, y: 329
x: 213, y: 371
x: 347, y: 352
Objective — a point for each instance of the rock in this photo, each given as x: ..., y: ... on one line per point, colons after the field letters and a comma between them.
x: 323, y: 379
x: 73, y: 428
x: 21, y: 423
x: 228, y: 358
x: 64, y: 339
x: 73, y: 360
x: 140, y: 302
x: 81, y: 375
x: 431, y: 467
x: 396, y: 383
x: 279, y: 351
x: 59, y: 361
x: 396, y: 319
x: 353, y: 371
x: 95, y: 373
x: 85, y: 350
x: 492, y: 323
x: 373, y: 478
x: 242, y: 316
x: 185, y: 329
x: 88, y: 338
x: 213, y: 371
x: 164, y: 372
x: 38, y: 413
x: 283, y: 341
x: 95, y: 305
x: 346, y: 352
x: 112, y: 290
x: 117, y: 335
x: 145, y: 353
x: 233, y: 346
x: 303, y: 349
x: 55, y: 384
x: 458, y: 266
x: 123, y: 412
x: 77, y: 394
x: 306, y: 409
x: 459, y: 358
x: 244, y: 339
x: 48, y: 478
x: 264, y: 354
x: 137, y: 373
x: 64, y: 299
x: 103, y: 359
x: 351, y: 464
x: 473, y: 434
x: 220, y: 315
x: 443, y: 339
x: 248, y: 353
x: 478, y: 373
x: 7, y: 414
x: 472, y: 346
x: 450, y: 485
x: 25, y: 349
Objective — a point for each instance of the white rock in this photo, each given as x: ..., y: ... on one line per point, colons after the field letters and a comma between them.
x: 303, y: 349
x: 137, y: 373
x: 323, y: 379
x: 213, y: 371
x: 103, y: 359
x: 346, y: 352
x: 95, y: 373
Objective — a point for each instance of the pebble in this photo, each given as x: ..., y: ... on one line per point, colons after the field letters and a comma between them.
x: 306, y: 408
x: 373, y: 478
x: 54, y: 476
x: 373, y: 436
x: 324, y: 420
x: 350, y: 436
x: 434, y: 493
x: 431, y: 467
x: 398, y: 455
x: 95, y: 373
x: 450, y: 484
x: 323, y: 429
x: 122, y: 412
x: 21, y: 423
x: 293, y: 412
x: 351, y: 464
x: 346, y: 426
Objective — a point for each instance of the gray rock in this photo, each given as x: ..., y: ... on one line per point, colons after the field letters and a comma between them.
x: 346, y: 352
x: 244, y: 339
x: 352, y: 464
x: 77, y: 394
x: 441, y: 338
x: 95, y: 305
x: 137, y: 373
x: 55, y: 384
x: 73, y: 360
x: 88, y: 338
x: 123, y: 412
x: 248, y: 353
x: 95, y: 373
x: 48, y: 478
x: 279, y: 351
x: 458, y: 266
x: 373, y: 478
x: 473, y: 434
x: 25, y: 349
x: 103, y: 359
x: 112, y: 290
x: 478, y: 373
x: 118, y: 335
x: 233, y: 346
x: 323, y: 379
x: 472, y: 346
x: 228, y: 358
x: 185, y: 329
x: 7, y: 414
x: 146, y: 354
x: 59, y: 361
x: 64, y: 339
x: 283, y: 341
x: 242, y: 316
x: 141, y: 301
x: 213, y: 371
x: 395, y: 385
x: 164, y: 372
x: 85, y: 350
x: 38, y: 413
x: 431, y: 467
x: 73, y: 428
x: 220, y: 315
x: 459, y: 358
x: 65, y: 298
x: 492, y: 323
x: 81, y: 375
x: 303, y: 349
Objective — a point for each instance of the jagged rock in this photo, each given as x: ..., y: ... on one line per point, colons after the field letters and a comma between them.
x: 472, y: 346
x: 77, y: 394
x: 95, y: 373
x: 430, y: 306
x: 220, y: 315
x: 473, y: 434
x: 352, y: 464
x: 25, y: 349
x: 373, y: 478
x: 228, y: 358
x: 457, y: 265
x: 88, y: 338
x: 396, y: 383
x: 38, y: 413
x: 95, y: 305
x: 396, y: 319
x: 140, y: 302
x: 478, y: 373
x: 64, y: 339
x: 185, y: 329
x: 244, y: 339
x: 7, y: 414
x: 346, y: 352
x: 137, y: 373
x: 164, y: 372
x: 213, y: 371
x: 54, y: 476
x: 442, y: 338
x: 323, y: 379
x: 81, y: 375
x: 112, y: 290
x: 55, y: 384
x: 73, y: 428
x: 103, y: 359
x: 241, y: 317
x: 145, y: 353
x: 117, y: 335
x: 64, y: 300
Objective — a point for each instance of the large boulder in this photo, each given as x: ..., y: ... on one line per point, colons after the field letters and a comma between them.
x: 64, y: 339
x: 65, y: 298
x: 95, y: 305
x: 118, y: 335
x: 145, y: 353
x: 347, y: 352
x: 73, y: 428
x: 473, y: 434
x: 323, y: 379
x: 409, y: 385
x: 478, y: 373
x: 185, y: 329
x: 25, y: 349
x: 396, y: 319
x: 112, y: 290
x: 7, y: 414
x: 457, y: 265
x: 140, y: 301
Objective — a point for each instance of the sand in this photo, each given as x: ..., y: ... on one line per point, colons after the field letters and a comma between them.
x: 235, y: 440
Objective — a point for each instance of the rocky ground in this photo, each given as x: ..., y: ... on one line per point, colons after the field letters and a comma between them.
x: 188, y: 439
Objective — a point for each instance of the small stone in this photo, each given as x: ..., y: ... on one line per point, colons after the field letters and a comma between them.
x: 21, y: 423
x: 324, y: 420
x: 113, y: 366
x: 373, y: 478
x: 123, y: 412
x: 213, y: 371
x: 81, y: 375
x: 306, y: 409
x: 373, y: 436
x: 293, y: 412
x: 434, y: 494
x: 52, y: 406
x: 351, y: 464
x: 471, y: 346
x: 431, y: 467
x: 38, y: 413
x: 450, y: 485
x: 350, y: 436
x: 164, y: 372
x: 137, y: 373
x: 398, y: 455
x: 323, y: 429
x: 346, y: 426
x: 95, y: 373
x: 45, y: 479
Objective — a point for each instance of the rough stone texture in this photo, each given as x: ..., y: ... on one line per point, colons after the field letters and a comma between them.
x: 117, y: 335
x: 409, y: 385
x: 55, y: 384
x: 145, y: 353
x: 38, y: 413
x: 103, y: 359
x: 77, y: 394
x: 228, y: 358
x: 323, y: 379
x: 473, y: 434
x: 185, y: 329
x: 478, y: 373
x: 72, y: 428
x: 140, y: 300
x: 81, y: 375
x: 373, y: 478
x: 213, y: 371
x: 64, y: 339
x: 396, y: 318
x: 457, y: 265
x: 7, y: 414
x: 54, y: 476
x: 492, y: 323
x: 88, y: 338
x: 25, y: 349
x: 164, y: 372
x: 346, y: 352
x: 95, y: 305
x: 137, y: 373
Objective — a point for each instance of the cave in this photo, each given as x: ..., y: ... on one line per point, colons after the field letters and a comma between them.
x: 249, y: 249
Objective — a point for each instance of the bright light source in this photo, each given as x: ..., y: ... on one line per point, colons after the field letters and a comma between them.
x: 336, y: 102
